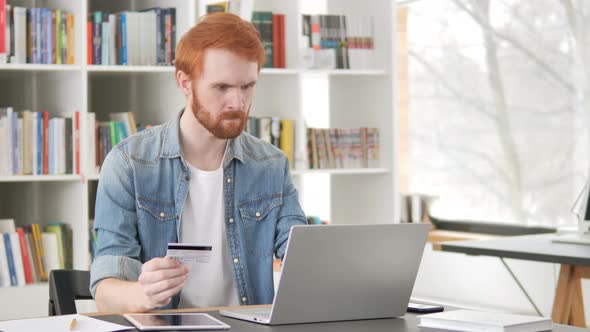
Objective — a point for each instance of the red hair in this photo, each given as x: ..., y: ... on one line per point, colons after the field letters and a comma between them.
x: 218, y: 30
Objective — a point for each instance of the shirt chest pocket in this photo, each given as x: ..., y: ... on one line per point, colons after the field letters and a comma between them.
x: 155, y: 210
x: 261, y: 208
x: 156, y: 225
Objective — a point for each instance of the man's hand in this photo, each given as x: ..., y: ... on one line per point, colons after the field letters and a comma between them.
x: 160, y: 280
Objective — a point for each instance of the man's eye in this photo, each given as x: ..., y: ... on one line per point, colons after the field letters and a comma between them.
x: 222, y: 87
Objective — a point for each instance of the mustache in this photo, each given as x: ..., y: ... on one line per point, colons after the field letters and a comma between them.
x: 232, y: 115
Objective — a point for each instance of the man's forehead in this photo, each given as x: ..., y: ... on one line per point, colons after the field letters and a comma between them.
x: 227, y: 67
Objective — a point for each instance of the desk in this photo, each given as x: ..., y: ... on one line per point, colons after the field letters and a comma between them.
x: 406, y: 324
x: 568, y: 304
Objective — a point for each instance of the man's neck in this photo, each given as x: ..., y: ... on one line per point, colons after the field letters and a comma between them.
x: 199, y: 147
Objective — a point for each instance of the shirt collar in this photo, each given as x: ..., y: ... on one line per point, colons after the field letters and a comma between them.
x: 171, y: 143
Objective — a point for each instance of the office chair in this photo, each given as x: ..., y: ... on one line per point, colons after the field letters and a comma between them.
x: 66, y: 286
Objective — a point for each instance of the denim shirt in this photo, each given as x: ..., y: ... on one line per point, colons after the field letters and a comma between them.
x: 142, y: 190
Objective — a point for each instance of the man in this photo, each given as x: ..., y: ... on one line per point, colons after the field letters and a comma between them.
x: 197, y: 179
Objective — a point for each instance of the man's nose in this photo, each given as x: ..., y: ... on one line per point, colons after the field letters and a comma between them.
x: 235, y: 99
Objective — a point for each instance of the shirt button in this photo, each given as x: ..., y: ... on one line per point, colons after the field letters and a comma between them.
x: 228, y: 180
x: 231, y: 220
x: 236, y: 260
x: 187, y: 178
x: 258, y: 214
x: 162, y: 214
x: 244, y: 299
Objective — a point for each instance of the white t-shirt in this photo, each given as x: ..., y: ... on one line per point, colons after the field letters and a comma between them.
x: 209, y: 284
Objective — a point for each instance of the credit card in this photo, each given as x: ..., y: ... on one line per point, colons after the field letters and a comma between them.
x: 187, y: 253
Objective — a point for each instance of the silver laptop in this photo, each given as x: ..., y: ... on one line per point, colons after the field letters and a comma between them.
x: 348, y: 272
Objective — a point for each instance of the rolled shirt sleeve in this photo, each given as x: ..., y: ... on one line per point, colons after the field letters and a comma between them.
x: 118, y: 249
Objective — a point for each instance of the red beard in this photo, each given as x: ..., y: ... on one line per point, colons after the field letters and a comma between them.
x: 224, y: 126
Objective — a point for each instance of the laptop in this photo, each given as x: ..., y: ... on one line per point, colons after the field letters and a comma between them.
x: 344, y: 272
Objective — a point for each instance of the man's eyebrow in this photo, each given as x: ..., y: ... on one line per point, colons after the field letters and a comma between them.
x: 228, y: 84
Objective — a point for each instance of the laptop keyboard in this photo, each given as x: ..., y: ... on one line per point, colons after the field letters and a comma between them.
x: 262, y: 314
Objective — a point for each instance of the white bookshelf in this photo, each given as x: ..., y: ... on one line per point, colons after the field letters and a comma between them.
x: 130, y: 69
x: 279, y: 71
x: 341, y: 171
x: 39, y: 67
x: 355, y: 98
x: 93, y: 177
x: 346, y: 72
x: 40, y: 178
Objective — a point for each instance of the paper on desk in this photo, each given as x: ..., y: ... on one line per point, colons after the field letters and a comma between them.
x: 61, y: 324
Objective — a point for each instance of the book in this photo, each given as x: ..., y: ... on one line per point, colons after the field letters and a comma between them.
x: 45, y: 142
x: 89, y: 34
x: 282, y: 56
x: 9, y: 43
x: 25, y: 256
x: 20, y: 34
x: 18, y: 259
x: 287, y: 140
x: 471, y: 320
x: 91, y: 142
x: 10, y: 259
x: 4, y: 271
x: 275, y: 40
x: 28, y: 235
x: 39, y: 251
x: 51, y: 255
x: 76, y: 142
x: 219, y: 7
x: 3, y: 33
x: 59, y: 231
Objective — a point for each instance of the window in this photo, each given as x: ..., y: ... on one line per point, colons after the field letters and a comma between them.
x: 498, y: 107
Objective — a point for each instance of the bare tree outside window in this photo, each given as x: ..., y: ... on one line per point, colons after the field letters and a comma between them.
x: 499, y: 107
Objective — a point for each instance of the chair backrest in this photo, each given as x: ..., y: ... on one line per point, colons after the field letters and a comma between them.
x: 66, y: 286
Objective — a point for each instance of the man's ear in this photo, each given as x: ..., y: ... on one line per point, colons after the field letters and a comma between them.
x: 184, y: 82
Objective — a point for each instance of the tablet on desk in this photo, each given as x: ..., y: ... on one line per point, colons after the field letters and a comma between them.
x: 183, y: 321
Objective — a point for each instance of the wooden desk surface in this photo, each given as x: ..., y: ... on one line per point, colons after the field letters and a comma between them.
x: 437, y: 236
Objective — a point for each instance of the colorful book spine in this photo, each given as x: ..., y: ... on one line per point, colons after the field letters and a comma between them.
x: 48, y: 36
x: 57, y: 27
x: 275, y: 39
x: 45, y: 142
x: 89, y: 48
x: 281, y: 41
x: 287, y: 138
x: 15, y: 145
x: 124, y: 39
x: 76, y: 142
x: 51, y: 139
x: 38, y: 242
x: 32, y: 254
x: 10, y: 259
x: 97, y: 38
x: 4, y: 271
x: 25, y: 256
x: 70, y: 38
x: 39, y: 143
x: 3, y: 33
x: 18, y: 262
x: 39, y: 34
